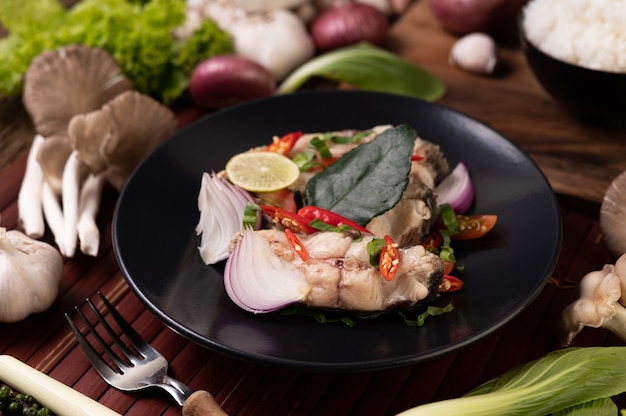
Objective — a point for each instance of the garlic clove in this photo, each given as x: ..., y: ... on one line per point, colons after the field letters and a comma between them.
x: 475, y: 52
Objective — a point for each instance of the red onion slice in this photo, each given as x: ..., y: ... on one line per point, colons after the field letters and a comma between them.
x: 221, y: 206
x: 259, y: 281
x: 456, y: 189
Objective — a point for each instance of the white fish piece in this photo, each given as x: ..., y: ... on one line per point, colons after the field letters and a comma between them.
x: 264, y: 273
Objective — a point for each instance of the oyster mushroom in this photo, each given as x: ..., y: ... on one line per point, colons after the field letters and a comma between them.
x: 58, y: 85
x: 602, y: 296
x: 113, y: 140
x: 613, y: 216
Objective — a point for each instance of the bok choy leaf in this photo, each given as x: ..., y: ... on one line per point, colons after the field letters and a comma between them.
x: 561, y: 381
x: 369, y: 68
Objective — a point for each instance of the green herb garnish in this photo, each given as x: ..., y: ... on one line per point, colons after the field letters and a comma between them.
x: 430, y: 311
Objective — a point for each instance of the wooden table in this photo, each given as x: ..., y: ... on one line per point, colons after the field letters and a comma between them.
x: 580, y: 161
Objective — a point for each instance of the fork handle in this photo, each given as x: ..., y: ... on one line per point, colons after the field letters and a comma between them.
x: 202, y: 403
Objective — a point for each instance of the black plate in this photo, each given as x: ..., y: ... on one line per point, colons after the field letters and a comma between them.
x: 155, y: 240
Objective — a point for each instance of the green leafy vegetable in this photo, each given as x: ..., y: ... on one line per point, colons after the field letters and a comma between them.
x: 430, y: 311
x: 321, y: 317
x: 599, y: 407
x: 560, y: 380
x: 368, y: 180
x: 139, y: 36
x: 367, y: 67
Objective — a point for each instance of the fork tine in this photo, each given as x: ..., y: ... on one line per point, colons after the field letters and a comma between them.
x: 101, y: 366
x: 112, y: 355
x: 136, y: 340
x: 123, y: 348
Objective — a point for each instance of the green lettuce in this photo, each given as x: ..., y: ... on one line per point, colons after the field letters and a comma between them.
x: 137, y: 33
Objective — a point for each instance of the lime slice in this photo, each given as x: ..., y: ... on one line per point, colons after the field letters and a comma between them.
x: 261, y: 171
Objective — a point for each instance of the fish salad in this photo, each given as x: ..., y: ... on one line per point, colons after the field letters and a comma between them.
x: 346, y: 220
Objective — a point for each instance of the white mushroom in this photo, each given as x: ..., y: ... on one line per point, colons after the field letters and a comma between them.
x: 613, y: 216
x: 29, y: 197
x: 113, y: 140
x: 600, y: 303
x: 58, y: 85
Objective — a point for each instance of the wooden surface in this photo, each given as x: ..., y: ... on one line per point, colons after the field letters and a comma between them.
x: 579, y: 160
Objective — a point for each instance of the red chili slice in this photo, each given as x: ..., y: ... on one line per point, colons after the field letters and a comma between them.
x: 389, y: 260
x: 310, y: 212
x: 283, y: 145
x: 282, y: 198
x: 296, y: 244
x: 288, y: 220
x: 432, y: 240
x: 450, y: 284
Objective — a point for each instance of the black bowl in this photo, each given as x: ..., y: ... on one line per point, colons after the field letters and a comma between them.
x: 588, y: 94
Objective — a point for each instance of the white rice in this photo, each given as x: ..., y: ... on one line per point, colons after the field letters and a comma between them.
x: 589, y: 33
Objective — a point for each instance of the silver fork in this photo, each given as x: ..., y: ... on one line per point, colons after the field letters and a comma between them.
x: 132, y: 371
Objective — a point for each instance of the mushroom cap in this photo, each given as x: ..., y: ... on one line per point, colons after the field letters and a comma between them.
x: 613, y: 216
x: 72, y: 80
x: 116, y: 138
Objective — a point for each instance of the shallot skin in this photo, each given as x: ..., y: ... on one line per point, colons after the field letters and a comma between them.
x: 336, y: 275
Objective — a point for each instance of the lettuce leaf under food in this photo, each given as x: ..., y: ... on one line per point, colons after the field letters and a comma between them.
x: 368, y: 180
x: 367, y: 67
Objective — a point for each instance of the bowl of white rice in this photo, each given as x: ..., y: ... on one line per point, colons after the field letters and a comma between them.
x: 577, y: 51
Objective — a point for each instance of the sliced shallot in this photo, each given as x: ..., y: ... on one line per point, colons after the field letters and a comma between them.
x: 456, y: 189
x: 221, y: 206
x: 257, y: 280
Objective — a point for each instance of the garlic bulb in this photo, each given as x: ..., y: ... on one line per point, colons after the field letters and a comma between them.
x: 30, y: 272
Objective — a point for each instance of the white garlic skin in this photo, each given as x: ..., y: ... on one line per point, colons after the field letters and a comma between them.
x: 475, y: 52
x: 30, y: 273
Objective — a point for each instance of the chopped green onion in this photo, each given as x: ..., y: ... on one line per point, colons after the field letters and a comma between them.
x: 448, y: 216
x: 374, y: 247
x: 321, y: 146
x: 250, y: 215
x: 322, y: 226
x: 351, y: 139
x: 305, y: 160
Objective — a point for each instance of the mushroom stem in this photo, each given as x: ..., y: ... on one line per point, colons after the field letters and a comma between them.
x: 73, y: 175
x: 90, y: 197
x: 29, y: 197
x: 617, y: 324
x: 53, y: 215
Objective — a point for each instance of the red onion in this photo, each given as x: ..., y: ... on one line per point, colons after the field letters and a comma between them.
x: 257, y: 280
x: 456, y: 189
x: 225, y: 80
x: 466, y: 16
x: 221, y: 206
x: 348, y: 24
